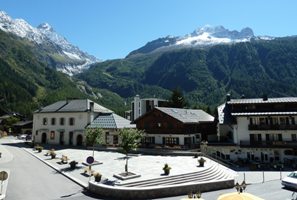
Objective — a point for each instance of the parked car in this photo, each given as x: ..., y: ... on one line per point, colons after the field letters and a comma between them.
x: 290, y: 181
x: 28, y: 137
x: 22, y: 136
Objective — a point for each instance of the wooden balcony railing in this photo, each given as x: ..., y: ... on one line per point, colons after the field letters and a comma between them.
x: 246, y: 143
x: 272, y: 127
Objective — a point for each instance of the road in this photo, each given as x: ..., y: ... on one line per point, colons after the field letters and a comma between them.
x: 31, y: 179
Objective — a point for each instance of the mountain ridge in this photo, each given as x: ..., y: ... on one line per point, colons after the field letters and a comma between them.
x: 75, y: 59
x: 205, y: 75
x: 205, y: 36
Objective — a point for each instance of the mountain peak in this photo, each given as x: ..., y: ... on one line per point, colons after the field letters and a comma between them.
x: 46, y: 27
x: 201, y: 37
x: 222, y: 32
x: 74, y: 59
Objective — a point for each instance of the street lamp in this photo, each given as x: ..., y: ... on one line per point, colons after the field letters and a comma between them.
x: 204, y: 147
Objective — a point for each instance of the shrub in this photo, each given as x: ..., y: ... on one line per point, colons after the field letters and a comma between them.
x: 201, y: 162
x: 73, y: 164
x: 38, y: 148
x: 97, y: 176
x: 53, y: 154
x: 166, y: 169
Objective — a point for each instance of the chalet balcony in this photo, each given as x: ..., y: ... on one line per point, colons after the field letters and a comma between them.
x: 272, y: 127
x: 268, y: 144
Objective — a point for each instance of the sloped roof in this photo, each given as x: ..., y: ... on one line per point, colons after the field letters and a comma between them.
x: 75, y: 105
x: 260, y: 100
x: 22, y: 123
x: 187, y: 115
x: 111, y: 121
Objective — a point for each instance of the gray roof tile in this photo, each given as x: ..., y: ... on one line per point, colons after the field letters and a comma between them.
x: 187, y: 115
x: 76, y: 105
x: 260, y: 100
x: 111, y: 121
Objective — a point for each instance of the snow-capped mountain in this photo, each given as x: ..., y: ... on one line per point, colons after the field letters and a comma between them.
x: 75, y: 59
x: 205, y: 36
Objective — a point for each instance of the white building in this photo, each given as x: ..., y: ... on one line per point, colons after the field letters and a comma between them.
x: 262, y: 130
x: 111, y: 123
x: 141, y: 106
x: 64, y: 122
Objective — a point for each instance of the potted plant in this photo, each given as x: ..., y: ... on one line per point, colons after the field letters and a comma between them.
x: 53, y: 154
x: 97, y: 176
x: 38, y: 148
x: 201, y: 162
x: 166, y: 169
x: 73, y: 164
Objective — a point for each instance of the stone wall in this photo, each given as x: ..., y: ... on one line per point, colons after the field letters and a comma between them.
x: 157, y: 192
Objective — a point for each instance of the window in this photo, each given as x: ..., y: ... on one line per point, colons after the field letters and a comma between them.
x: 71, y: 121
x: 148, y: 140
x: 44, y: 121
x: 282, y: 120
x: 52, y: 135
x: 292, y: 120
x: 294, y: 138
x: 115, y: 139
x: 62, y: 121
x: 251, y: 121
x: 267, y: 137
x: 171, y: 140
x: 262, y: 121
x: 53, y: 121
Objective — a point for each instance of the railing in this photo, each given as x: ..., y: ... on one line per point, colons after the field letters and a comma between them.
x: 272, y: 127
x: 268, y: 143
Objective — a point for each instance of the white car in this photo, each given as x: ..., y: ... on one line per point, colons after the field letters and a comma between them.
x: 22, y: 137
x: 290, y: 181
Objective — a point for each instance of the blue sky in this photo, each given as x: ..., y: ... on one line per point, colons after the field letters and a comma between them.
x: 110, y: 29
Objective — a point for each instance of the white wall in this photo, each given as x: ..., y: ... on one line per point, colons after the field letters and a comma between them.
x: 241, y: 130
x: 81, y: 120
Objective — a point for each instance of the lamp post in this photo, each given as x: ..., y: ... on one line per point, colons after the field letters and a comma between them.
x: 204, y: 147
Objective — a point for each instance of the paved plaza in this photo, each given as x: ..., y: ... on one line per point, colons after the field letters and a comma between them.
x: 148, y: 166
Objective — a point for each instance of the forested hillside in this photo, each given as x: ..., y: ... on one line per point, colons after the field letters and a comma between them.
x: 28, y: 81
x: 205, y: 75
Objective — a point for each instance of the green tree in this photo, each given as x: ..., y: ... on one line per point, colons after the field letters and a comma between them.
x: 177, y: 99
x: 130, y: 139
x: 94, y: 136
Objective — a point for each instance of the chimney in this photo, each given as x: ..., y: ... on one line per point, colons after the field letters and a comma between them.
x: 228, y: 97
x: 92, y: 106
x: 265, y: 97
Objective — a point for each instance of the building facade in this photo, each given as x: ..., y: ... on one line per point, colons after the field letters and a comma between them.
x: 141, y: 106
x: 174, y: 127
x: 64, y: 122
x: 260, y: 130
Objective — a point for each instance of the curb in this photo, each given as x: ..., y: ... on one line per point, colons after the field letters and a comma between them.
x: 75, y: 180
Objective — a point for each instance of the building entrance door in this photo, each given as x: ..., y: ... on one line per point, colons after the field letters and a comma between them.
x: 79, y: 140
x: 43, y: 138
